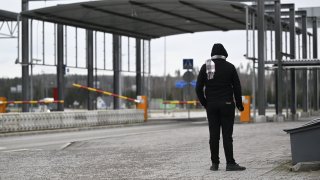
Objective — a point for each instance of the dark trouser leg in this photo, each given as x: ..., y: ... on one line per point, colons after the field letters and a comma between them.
x: 214, y: 130
x: 227, y: 121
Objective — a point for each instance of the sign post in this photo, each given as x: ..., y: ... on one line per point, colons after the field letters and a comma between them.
x: 188, y: 77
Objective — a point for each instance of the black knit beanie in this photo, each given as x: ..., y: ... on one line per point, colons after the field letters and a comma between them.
x: 218, y: 49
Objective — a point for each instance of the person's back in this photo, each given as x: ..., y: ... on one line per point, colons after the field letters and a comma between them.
x: 222, y: 87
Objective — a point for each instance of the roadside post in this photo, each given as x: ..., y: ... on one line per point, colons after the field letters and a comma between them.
x: 245, y: 114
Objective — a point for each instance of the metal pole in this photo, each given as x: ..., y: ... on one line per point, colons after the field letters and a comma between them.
x: 55, y: 44
x: 104, y: 50
x: 129, y: 54
x: 261, y: 57
x: 292, y: 28
x: 278, y: 49
x: 143, y: 67
x: 60, y: 67
x: 25, y: 56
x: 43, y: 44
x: 271, y: 44
x: 138, y: 67
x: 116, y: 69
x: 149, y: 73
x: 304, y: 56
x: 76, y: 46
x: 247, y: 31
x: 254, y: 65
x: 164, y: 74
x: 66, y: 45
x: 315, y: 56
x: 89, y: 56
x: 95, y: 61
x: 18, y: 40
x: 31, y: 63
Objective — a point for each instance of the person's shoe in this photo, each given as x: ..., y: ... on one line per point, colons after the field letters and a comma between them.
x: 234, y: 167
x: 214, y: 167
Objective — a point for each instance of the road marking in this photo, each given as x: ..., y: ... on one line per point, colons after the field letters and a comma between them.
x: 2, y: 148
x: 65, y: 146
x: 16, y: 150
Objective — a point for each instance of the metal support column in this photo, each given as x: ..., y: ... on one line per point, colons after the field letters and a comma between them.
x: 261, y: 57
x: 315, y: 70
x: 138, y: 67
x: 89, y: 49
x: 304, y: 56
x: 60, y: 66
x: 25, y: 56
x: 116, y: 69
x: 292, y: 29
x: 278, y: 53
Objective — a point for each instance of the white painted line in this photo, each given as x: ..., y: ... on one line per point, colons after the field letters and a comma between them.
x: 37, y: 149
x: 66, y: 145
x: 17, y: 150
x: 2, y: 148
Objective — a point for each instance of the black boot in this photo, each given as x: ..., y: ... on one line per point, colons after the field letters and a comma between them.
x: 214, y: 167
x: 234, y: 167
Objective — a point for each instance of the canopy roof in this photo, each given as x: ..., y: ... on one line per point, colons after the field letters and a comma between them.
x: 147, y: 18
x: 8, y: 16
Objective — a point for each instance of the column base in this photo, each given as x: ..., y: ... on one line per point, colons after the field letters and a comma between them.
x: 293, y: 117
x: 305, y: 114
x: 279, y: 118
x: 260, y: 118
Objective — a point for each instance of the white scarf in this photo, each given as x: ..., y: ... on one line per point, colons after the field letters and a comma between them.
x: 210, y: 66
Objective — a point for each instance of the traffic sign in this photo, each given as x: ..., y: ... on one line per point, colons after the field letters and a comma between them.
x: 187, y: 63
x: 180, y: 84
x: 188, y: 76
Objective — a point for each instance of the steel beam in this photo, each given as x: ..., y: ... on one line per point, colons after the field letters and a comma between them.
x: 60, y: 66
x: 25, y: 57
x: 212, y: 12
x: 304, y: 56
x: 261, y: 58
x: 292, y: 28
x: 89, y: 56
x: 138, y: 67
x: 315, y: 70
x: 95, y: 26
x: 116, y: 69
x: 136, y: 18
x: 278, y: 50
x: 176, y: 15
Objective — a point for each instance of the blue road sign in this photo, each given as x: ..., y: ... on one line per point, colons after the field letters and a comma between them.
x: 180, y: 84
x: 187, y: 63
x: 193, y: 83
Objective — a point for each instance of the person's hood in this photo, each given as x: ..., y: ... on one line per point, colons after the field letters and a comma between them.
x: 219, y: 50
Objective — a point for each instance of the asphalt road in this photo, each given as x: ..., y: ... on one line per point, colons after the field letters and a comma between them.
x: 170, y: 150
x: 60, y: 140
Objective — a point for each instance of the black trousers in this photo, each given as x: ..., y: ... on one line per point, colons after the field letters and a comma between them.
x: 221, y: 116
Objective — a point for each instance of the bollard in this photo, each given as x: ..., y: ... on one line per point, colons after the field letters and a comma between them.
x: 3, y: 106
x: 143, y: 105
x: 245, y: 114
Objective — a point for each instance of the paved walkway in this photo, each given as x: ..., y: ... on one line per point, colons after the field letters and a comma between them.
x: 179, y: 152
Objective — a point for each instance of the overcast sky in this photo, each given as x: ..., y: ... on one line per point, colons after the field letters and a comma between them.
x: 196, y: 46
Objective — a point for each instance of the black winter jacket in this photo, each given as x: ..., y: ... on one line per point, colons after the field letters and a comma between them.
x: 224, y: 87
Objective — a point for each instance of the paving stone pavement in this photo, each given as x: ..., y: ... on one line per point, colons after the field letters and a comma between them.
x: 179, y: 153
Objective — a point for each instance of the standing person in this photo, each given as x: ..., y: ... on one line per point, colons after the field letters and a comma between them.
x: 219, y: 91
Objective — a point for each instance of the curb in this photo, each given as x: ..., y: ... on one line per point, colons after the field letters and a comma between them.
x: 149, y: 122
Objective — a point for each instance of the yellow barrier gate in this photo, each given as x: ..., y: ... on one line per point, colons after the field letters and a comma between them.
x: 141, y: 101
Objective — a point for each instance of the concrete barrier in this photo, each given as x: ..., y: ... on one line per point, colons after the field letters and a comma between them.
x: 15, y: 122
